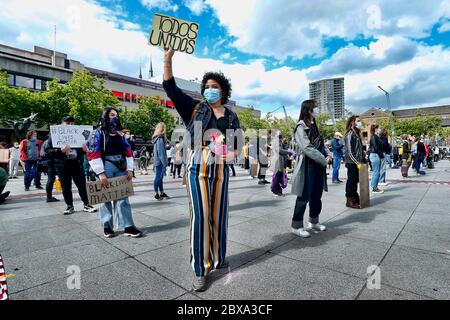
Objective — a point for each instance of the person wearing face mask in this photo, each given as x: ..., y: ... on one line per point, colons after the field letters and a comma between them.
x: 109, y: 155
x: 309, y: 179
x: 30, y: 149
x: 376, y: 157
x: 354, y: 158
x: 207, y: 169
x: 14, y: 158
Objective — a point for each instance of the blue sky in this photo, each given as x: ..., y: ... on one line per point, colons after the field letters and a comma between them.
x: 271, y: 49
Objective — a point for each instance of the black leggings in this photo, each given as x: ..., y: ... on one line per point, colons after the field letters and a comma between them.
x: 351, y: 187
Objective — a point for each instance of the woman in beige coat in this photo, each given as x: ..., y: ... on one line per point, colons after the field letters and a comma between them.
x: 309, y: 178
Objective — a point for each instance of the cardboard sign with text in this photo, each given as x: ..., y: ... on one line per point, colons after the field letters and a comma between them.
x: 4, y: 155
x: 72, y: 136
x: 169, y: 32
x: 117, y: 188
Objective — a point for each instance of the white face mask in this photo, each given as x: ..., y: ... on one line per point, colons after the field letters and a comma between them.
x: 314, y: 113
x: 359, y: 125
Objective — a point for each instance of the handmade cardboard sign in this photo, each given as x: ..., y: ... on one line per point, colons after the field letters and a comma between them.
x: 169, y: 32
x: 72, y: 136
x: 364, y: 194
x: 117, y: 188
x: 4, y: 156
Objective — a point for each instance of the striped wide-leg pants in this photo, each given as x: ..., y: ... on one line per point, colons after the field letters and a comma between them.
x: 207, y: 185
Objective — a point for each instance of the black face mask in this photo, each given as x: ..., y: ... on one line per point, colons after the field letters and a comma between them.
x: 113, y: 124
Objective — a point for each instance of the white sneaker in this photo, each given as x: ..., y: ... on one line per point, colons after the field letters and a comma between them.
x: 301, y: 232
x: 383, y: 184
x: 317, y: 226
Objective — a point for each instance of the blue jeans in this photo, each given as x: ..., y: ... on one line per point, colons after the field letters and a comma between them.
x: 376, y: 164
x: 159, y: 176
x: 122, y: 207
x: 336, y: 166
x: 31, y: 173
x: 383, y: 168
x: 388, y: 158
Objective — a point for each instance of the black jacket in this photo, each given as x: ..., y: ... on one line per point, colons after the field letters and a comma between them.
x: 376, y: 146
x: 57, y: 157
x: 353, y: 148
x: 192, y: 111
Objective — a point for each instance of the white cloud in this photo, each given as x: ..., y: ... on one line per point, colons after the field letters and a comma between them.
x: 225, y: 56
x: 352, y: 59
x: 196, y: 6
x: 445, y: 27
x: 297, y: 28
x: 108, y: 41
x: 165, y: 5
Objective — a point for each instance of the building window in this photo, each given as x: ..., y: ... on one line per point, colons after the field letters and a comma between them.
x: 38, y: 84
x: 10, y: 79
x: 24, y: 82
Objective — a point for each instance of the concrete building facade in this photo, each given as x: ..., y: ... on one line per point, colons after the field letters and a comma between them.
x: 329, y: 95
x: 32, y: 69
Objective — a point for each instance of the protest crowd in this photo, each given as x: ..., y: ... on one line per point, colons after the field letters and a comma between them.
x: 205, y: 166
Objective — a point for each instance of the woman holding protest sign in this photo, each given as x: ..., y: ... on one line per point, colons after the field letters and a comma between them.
x: 207, y: 165
x: 110, y: 156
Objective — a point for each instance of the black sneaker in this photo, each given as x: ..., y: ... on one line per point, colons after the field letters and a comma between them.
x: 266, y: 182
x: 52, y: 199
x: 158, y: 197
x: 27, y: 188
x: 260, y: 182
x: 89, y: 208
x: 39, y: 187
x: 164, y: 196
x: 69, y: 210
x: 132, y: 232
x: 108, y: 233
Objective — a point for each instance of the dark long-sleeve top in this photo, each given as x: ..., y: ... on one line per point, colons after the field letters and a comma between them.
x: 185, y: 106
x: 376, y: 146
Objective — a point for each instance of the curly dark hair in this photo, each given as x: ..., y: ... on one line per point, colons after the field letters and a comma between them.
x: 223, y: 81
x: 104, y: 119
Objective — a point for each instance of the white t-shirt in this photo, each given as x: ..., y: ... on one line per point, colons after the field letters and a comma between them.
x: 14, y: 154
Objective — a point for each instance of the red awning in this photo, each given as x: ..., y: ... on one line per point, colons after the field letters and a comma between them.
x: 117, y: 94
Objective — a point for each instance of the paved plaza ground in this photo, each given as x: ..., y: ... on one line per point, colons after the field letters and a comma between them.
x: 405, y: 231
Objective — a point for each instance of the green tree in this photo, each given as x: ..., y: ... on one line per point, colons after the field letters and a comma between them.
x: 248, y: 120
x: 86, y: 97
x: 325, y: 129
x: 53, y: 104
x: 142, y: 121
x: 14, y: 103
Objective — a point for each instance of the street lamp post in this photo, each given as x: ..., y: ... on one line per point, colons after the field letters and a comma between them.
x: 391, y: 120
